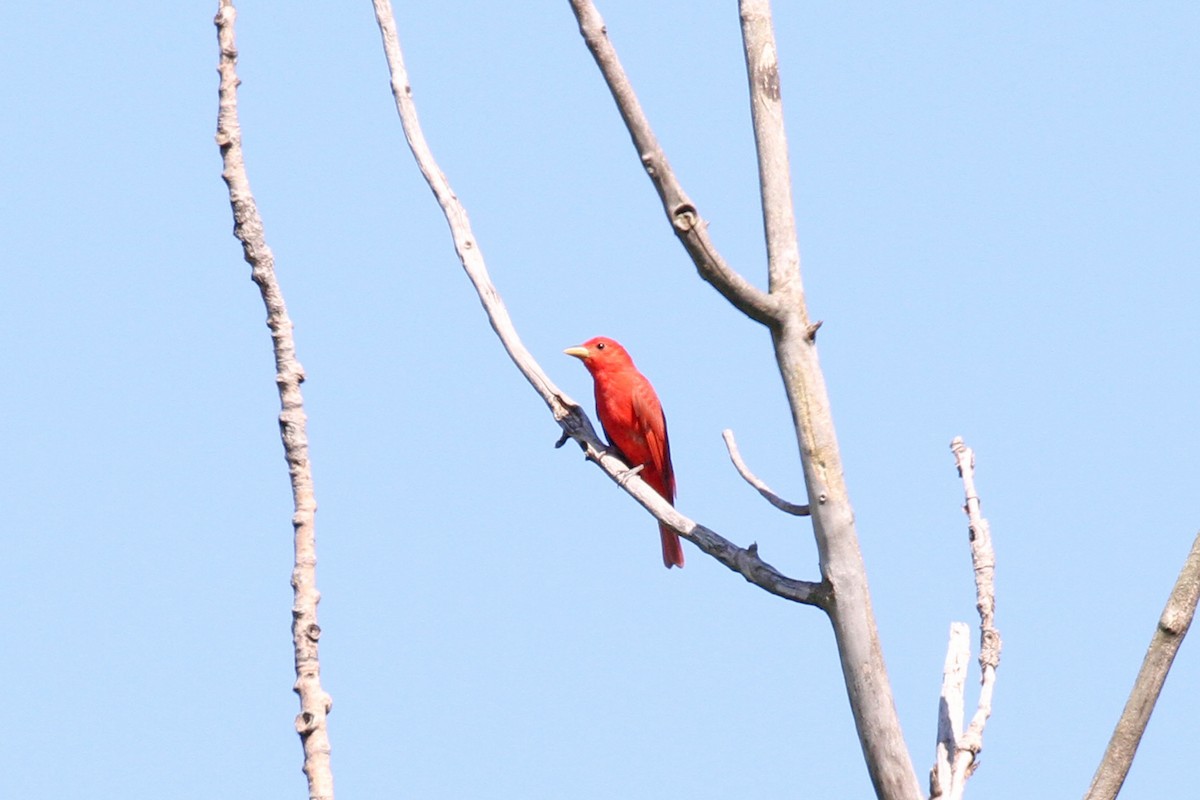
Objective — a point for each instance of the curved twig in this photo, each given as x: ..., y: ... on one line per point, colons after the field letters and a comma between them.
x: 685, y: 220
x: 736, y: 457
x: 1172, y: 628
x: 315, y: 703
x: 569, y: 414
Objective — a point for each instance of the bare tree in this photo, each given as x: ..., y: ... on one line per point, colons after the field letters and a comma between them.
x: 842, y: 590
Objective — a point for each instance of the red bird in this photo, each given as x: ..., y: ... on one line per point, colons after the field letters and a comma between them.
x: 633, y: 421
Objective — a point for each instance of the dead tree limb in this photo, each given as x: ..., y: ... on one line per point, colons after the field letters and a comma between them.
x: 569, y: 414
x: 958, y: 750
x: 315, y: 703
x: 867, y: 686
x: 681, y: 212
x: 749, y: 477
x: 784, y: 312
x: 1164, y: 644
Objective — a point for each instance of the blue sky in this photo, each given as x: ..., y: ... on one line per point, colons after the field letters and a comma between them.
x: 997, y: 209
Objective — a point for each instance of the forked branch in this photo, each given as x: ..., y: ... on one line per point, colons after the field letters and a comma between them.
x: 685, y: 220
x: 569, y: 414
x: 958, y: 750
x: 784, y: 312
x: 248, y: 228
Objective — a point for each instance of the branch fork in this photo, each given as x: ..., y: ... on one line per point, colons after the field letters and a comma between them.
x: 569, y: 415
x: 958, y: 751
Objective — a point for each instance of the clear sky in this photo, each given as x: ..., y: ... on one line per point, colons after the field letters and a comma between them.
x: 998, y: 212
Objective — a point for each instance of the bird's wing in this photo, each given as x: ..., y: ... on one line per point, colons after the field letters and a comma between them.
x: 652, y: 424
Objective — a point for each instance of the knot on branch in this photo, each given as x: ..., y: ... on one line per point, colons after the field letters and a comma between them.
x: 1174, y: 624
x: 768, y: 79
x: 685, y: 218
x: 648, y: 164
x: 990, y: 644
x: 306, y: 723
x: 748, y: 562
x: 575, y: 424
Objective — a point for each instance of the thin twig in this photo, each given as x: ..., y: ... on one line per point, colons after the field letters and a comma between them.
x: 569, y: 414
x: 736, y: 457
x: 460, y: 225
x: 1168, y: 636
x: 685, y: 220
x: 956, y: 763
x: 315, y: 703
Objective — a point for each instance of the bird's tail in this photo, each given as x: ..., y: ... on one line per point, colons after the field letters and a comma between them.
x: 671, y: 546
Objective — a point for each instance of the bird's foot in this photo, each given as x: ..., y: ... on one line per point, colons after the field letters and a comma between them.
x: 624, y: 477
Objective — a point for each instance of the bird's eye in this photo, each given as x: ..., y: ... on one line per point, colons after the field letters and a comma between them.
x: 600, y: 346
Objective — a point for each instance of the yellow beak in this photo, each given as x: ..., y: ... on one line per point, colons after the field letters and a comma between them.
x: 578, y: 352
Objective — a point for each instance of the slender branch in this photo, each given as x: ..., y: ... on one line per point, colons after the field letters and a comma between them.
x: 1168, y: 636
x: 685, y: 220
x: 957, y: 755
x: 460, y: 226
x: 774, y: 172
x: 753, y: 480
x: 569, y: 414
x: 315, y: 703
x: 983, y: 561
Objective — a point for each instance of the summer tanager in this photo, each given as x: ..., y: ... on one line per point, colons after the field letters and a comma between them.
x: 634, y: 423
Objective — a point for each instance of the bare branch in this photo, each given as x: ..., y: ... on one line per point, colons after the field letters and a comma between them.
x: 460, y: 226
x: 315, y: 703
x: 570, y: 415
x: 685, y: 220
x: 863, y: 669
x: 774, y: 172
x: 746, y: 562
x: 950, y: 714
x: 983, y: 559
x: 957, y: 753
x: 784, y: 312
x: 753, y: 480
x: 1168, y: 636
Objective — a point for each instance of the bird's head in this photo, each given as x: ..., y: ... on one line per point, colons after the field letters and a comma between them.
x: 600, y: 353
